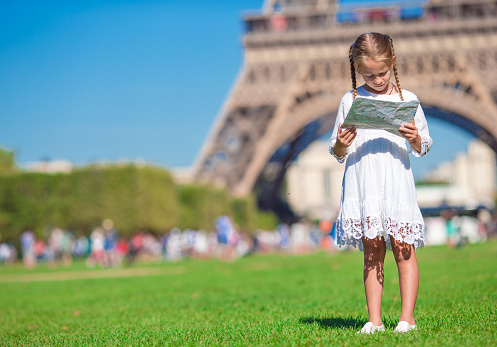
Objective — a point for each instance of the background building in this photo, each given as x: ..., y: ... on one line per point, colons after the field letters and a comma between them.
x: 469, y: 178
x: 49, y: 166
x: 314, y: 182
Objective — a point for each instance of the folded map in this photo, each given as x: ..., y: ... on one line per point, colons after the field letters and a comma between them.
x: 379, y: 114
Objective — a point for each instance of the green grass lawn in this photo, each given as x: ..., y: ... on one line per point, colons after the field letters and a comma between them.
x: 315, y: 299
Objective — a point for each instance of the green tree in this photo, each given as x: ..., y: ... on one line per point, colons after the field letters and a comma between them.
x: 134, y: 198
x: 201, y: 205
x: 7, y: 162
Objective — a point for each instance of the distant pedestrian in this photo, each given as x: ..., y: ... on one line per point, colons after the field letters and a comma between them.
x: 227, y: 238
x: 27, y: 246
x: 378, y: 208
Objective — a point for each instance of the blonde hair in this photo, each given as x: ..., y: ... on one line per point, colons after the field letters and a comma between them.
x: 374, y: 46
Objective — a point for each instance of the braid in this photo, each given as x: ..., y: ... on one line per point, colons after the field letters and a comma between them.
x: 352, y: 73
x: 395, y: 69
x: 397, y: 80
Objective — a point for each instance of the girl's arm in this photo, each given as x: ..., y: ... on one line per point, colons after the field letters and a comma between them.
x: 345, y: 137
x: 341, y: 139
x: 417, y: 134
x: 410, y: 132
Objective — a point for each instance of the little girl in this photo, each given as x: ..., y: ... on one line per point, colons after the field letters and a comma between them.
x: 379, y: 208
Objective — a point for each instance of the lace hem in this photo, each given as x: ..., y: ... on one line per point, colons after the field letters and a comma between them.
x: 426, y: 143
x: 350, y: 231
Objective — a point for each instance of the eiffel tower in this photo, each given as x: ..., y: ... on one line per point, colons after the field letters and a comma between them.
x: 296, y: 70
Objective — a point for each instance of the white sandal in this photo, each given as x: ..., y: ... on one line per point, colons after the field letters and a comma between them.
x: 404, y: 327
x: 370, y: 328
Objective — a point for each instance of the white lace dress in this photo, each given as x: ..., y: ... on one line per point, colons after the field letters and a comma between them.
x: 378, y: 191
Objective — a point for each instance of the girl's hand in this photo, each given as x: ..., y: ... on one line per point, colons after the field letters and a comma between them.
x: 410, y: 133
x: 345, y: 137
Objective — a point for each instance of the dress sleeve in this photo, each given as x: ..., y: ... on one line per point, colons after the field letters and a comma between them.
x: 422, y: 125
x: 342, y: 112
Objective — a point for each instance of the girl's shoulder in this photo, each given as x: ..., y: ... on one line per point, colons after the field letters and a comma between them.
x: 348, y: 97
x: 408, y: 95
x: 349, y: 94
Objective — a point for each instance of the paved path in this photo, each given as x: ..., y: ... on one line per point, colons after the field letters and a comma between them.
x: 89, y: 274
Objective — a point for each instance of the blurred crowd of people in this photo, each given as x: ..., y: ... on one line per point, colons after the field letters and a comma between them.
x: 455, y: 229
x: 105, y: 248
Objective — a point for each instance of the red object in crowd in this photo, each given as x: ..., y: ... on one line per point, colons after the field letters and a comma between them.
x: 122, y: 247
x: 325, y: 226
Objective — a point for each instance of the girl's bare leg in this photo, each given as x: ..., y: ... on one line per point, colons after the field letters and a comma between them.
x: 374, y: 256
x: 407, y: 265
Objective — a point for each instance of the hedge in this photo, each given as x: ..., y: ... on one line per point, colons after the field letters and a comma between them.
x: 136, y: 198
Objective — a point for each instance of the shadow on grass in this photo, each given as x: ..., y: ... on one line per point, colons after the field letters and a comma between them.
x: 335, y: 322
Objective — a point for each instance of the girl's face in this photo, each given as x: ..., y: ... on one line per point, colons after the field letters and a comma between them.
x: 376, y: 75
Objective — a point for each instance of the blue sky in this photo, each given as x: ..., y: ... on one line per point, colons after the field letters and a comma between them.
x: 108, y: 80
